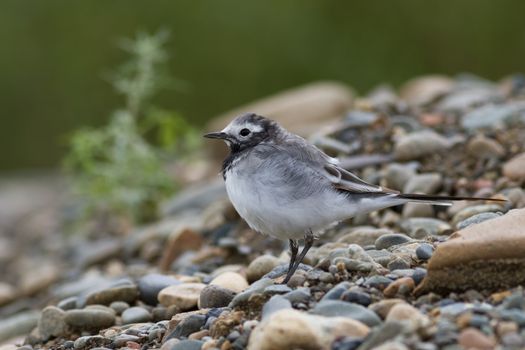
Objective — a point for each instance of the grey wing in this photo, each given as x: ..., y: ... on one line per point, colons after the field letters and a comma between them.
x: 340, y: 178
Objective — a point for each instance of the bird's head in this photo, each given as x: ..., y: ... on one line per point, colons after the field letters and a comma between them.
x: 246, y: 131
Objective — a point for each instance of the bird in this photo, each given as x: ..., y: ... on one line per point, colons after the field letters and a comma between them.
x: 287, y: 188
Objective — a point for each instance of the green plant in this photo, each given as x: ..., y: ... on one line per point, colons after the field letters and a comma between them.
x: 118, y: 170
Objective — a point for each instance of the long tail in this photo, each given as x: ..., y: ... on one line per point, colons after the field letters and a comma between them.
x: 442, y: 200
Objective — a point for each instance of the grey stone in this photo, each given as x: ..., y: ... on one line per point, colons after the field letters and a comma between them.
x: 21, y: 323
x: 382, y: 334
x: 397, y: 175
x: 122, y: 291
x: 336, y: 292
x: 382, y: 256
x: 187, y: 344
x: 282, y: 269
x: 260, y: 266
x: 476, y: 219
x: 387, y: 241
x: 256, y: 287
x: 493, y: 116
x: 213, y: 296
x: 68, y: 303
x: 187, y: 326
x: 356, y: 297
x: 91, y: 341
x: 136, y: 314
x: 299, y: 295
x: 119, y: 306
x: 398, y: 264
x: 51, y: 322
x: 150, y: 285
x: 277, y: 289
x: 337, y: 308
x: 424, y: 251
x: 430, y: 225
x: 428, y: 183
x: 378, y: 282
x: 419, y: 144
x: 276, y: 303
x: 89, y: 319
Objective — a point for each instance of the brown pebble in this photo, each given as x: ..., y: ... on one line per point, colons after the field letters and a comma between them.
x: 403, y: 286
x: 471, y: 338
x: 199, y: 335
x: 505, y: 327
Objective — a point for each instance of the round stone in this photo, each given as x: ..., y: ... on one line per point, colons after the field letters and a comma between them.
x: 337, y: 308
x: 424, y: 251
x: 230, y: 280
x: 135, y: 314
x: 119, y: 306
x: 127, y: 293
x: 213, y: 296
x: 260, y: 266
x: 185, y: 296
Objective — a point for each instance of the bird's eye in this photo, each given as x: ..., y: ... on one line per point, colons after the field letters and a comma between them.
x: 244, y: 132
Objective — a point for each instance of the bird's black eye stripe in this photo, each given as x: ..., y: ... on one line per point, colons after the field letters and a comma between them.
x: 244, y: 132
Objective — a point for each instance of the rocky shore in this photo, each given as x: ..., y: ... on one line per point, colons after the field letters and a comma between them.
x: 412, y: 277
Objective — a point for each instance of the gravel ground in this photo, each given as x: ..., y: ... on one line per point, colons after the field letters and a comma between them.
x: 412, y: 277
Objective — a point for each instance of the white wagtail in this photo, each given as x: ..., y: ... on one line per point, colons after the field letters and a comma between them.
x: 285, y: 187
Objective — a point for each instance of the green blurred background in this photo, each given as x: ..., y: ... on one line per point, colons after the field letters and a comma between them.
x: 54, y: 55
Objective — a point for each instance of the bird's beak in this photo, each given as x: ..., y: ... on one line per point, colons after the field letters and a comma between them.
x: 217, y: 135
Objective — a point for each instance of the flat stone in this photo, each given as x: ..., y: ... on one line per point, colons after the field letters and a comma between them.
x: 185, y: 296
x: 409, y: 315
x: 256, y: 288
x: 260, y: 266
x: 213, y: 296
x: 136, y: 314
x: 150, y: 285
x: 292, y: 329
x: 89, y: 319
x: 491, y: 116
x: 489, y: 255
x: 51, y: 322
x: 469, y: 211
x: 430, y: 225
x: 337, y: 308
x: 187, y: 344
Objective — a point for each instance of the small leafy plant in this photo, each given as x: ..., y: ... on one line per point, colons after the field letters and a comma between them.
x: 117, y: 171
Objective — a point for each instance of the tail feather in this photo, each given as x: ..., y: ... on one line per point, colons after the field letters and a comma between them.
x: 442, y: 200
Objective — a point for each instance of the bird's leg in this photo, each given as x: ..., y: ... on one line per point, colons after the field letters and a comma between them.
x: 308, y: 243
x: 293, y: 253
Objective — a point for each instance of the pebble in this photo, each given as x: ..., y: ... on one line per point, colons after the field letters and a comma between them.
x: 89, y: 319
x: 186, y: 344
x: 91, y: 341
x: 363, y: 236
x: 356, y: 297
x: 476, y: 219
x: 17, y: 324
x: 256, y: 287
x: 382, y: 334
x: 474, y: 210
x: 419, y: 144
x: 292, y: 329
x: 428, y: 183
x: 213, y: 296
x: 150, y: 285
x: 277, y: 289
x: 378, y: 282
x: 408, y: 314
x: 337, y: 291
x: 397, y: 175
x: 402, y: 286
x: 232, y: 281
x: 119, y: 306
x: 389, y: 240
x: 276, y: 303
x: 424, y: 251
x: 187, y: 326
x: 185, y: 296
x: 430, y: 225
x: 68, y: 303
x: 488, y: 117
x: 136, y: 314
x: 482, y: 147
x: 126, y: 293
x: 471, y: 338
x: 260, y: 266
x: 337, y: 308
x: 52, y: 322
x: 299, y: 295
x: 514, y: 168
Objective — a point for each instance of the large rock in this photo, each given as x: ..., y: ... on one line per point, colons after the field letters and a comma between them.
x: 292, y: 329
x: 301, y: 110
x: 489, y: 255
